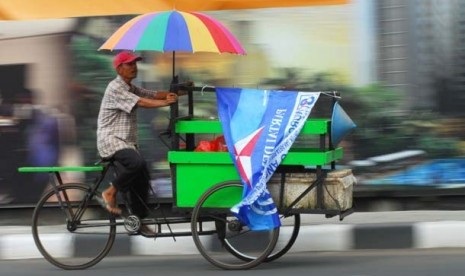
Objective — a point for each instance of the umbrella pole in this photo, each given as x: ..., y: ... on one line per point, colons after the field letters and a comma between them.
x: 174, y: 111
x: 174, y: 63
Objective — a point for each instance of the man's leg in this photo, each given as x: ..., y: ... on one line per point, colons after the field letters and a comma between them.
x: 140, y: 192
x: 132, y: 177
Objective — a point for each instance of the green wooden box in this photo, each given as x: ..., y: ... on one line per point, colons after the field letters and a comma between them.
x: 196, y: 172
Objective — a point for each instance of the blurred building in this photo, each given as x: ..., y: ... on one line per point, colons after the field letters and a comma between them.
x: 35, y: 73
x: 40, y: 49
x: 455, y: 101
x: 414, y: 47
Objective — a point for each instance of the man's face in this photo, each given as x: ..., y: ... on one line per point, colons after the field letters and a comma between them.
x: 128, y: 70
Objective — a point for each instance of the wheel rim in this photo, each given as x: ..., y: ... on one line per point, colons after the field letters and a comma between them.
x: 211, y: 227
x: 70, y: 245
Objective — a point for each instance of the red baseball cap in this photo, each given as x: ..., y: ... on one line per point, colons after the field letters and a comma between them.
x: 125, y: 57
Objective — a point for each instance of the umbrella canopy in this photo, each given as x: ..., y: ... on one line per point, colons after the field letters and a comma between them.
x: 47, y: 9
x: 174, y: 31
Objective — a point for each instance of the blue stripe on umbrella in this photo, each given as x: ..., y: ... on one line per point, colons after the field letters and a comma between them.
x: 177, y: 34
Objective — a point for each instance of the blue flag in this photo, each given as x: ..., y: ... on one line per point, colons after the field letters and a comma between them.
x: 259, y: 127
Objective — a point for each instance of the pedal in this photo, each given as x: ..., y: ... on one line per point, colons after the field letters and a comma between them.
x: 132, y: 224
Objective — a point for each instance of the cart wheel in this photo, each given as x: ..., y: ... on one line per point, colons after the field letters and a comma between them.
x: 212, y: 216
x: 68, y: 243
x: 289, y: 231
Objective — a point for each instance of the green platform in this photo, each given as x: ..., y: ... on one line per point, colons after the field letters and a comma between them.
x: 60, y: 169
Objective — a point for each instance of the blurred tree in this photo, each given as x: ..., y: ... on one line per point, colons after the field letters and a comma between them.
x: 376, y: 111
x: 438, y: 147
x: 91, y: 68
x: 92, y: 72
x: 429, y: 131
x: 379, y: 118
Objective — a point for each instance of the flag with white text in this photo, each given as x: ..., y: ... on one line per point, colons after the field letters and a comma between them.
x: 259, y: 127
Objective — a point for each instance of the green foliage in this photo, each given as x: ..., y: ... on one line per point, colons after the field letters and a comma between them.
x: 292, y: 78
x: 383, y: 125
x: 92, y: 72
x: 379, y: 118
x: 438, y: 147
x: 91, y: 68
x: 375, y: 110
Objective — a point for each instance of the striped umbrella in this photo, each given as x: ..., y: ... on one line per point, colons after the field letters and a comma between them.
x: 174, y: 31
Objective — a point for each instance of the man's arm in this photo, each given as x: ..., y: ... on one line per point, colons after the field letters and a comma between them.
x: 161, y: 95
x: 161, y: 98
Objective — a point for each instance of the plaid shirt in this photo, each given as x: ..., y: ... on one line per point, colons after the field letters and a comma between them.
x: 117, y: 119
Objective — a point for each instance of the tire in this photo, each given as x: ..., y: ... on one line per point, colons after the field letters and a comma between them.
x: 72, y: 243
x: 212, y: 216
x: 287, y: 238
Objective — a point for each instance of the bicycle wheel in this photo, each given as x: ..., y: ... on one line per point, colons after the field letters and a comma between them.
x: 287, y: 237
x: 289, y: 231
x: 212, y: 216
x: 68, y: 235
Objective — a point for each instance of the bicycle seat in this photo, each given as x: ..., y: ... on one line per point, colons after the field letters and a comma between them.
x: 104, y: 160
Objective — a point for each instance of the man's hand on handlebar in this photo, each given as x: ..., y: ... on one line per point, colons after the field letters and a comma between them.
x: 171, y: 98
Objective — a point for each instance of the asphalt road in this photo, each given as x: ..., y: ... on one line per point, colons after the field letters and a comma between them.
x: 350, y: 263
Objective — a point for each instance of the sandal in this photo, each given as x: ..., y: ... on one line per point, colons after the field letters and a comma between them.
x: 110, y: 207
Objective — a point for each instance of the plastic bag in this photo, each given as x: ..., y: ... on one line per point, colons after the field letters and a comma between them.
x: 218, y: 144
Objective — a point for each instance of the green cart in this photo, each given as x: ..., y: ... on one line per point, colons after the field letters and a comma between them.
x: 205, y: 186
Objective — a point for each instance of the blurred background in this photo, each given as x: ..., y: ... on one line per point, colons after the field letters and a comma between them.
x: 399, y: 66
